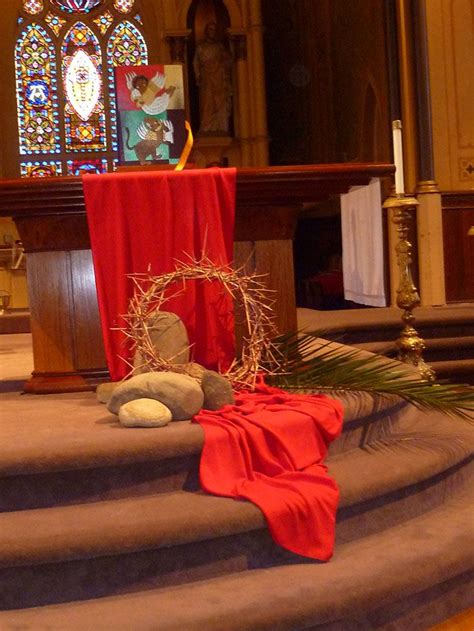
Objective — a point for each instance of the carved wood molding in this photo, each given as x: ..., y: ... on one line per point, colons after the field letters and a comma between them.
x: 266, y: 186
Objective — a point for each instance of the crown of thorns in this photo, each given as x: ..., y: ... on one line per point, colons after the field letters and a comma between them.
x: 251, y: 298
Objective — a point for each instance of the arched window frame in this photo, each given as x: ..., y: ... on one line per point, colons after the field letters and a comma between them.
x: 103, y: 21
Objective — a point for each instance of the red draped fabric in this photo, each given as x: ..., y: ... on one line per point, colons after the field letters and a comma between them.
x: 147, y: 220
x: 269, y: 448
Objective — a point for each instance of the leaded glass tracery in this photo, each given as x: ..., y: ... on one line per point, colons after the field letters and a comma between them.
x: 79, y: 6
x: 104, y: 21
x: 33, y: 6
x: 125, y: 6
x: 37, y: 99
x: 79, y: 167
x: 54, y: 22
x: 126, y: 47
x: 41, y: 168
x: 64, y: 60
x: 82, y: 81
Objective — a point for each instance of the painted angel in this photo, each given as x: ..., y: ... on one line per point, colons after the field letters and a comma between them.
x: 150, y: 95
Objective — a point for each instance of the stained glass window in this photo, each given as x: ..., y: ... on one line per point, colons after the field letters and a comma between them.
x: 82, y: 81
x: 126, y: 47
x: 33, y: 6
x: 64, y: 59
x: 37, y: 99
x: 41, y: 169
x: 104, y: 21
x: 79, y: 6
x: 79, y: 167
x: 125, y: 6
x: 54, y: 22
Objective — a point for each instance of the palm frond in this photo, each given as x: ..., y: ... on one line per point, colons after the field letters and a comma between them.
x: 313, y: 364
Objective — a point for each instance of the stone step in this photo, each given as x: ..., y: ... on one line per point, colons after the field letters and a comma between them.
x: 366, y: 580
x: 74, y: 552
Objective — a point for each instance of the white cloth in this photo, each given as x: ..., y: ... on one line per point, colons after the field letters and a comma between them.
x: 362, y: 245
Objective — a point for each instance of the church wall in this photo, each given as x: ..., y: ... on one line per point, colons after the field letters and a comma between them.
x: 451, y: 53
x: 450, y: 30
x: 360, y: 85
x: 327, y: 81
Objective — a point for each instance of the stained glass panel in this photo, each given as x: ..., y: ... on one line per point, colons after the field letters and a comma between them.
x: 33, y: 6
x: 36, y: 87
x: 126, y: 47
x: 104, y: 21
x: 81, y: 72
x: 125, y: 6
x: 79, y: 6
x: 79, y: 167
x: 40, y: 169
x: 54, y: 22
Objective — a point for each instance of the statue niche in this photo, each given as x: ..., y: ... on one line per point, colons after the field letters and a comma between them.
x: 212, y: 66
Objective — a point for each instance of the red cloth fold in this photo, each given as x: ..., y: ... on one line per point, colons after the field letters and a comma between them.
x: 148, y: 219
x: 269, y: 448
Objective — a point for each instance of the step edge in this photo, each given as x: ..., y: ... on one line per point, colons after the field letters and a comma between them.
x: 248, y: 517
x: 190, y: 443
x: 280, y: 587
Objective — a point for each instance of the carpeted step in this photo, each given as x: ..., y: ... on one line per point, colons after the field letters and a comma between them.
x: 159, y: 538
x: 438, y: 349
x: 15, y: 321
x: 91, y: 457
x: 366, y: 580
x: 356, y: 326
x: 461, y: 367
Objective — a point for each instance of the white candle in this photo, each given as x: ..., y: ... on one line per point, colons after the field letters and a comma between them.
x: 398, y: 157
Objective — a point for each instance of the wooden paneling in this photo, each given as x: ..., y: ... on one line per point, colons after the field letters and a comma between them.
x: 88, y: 346
x: 53, y: 232
x: 458, y: 218
x: 48, y: 276
x: 275, y: 258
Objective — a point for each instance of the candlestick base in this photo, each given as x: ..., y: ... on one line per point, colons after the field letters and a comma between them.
x: 410, y: 345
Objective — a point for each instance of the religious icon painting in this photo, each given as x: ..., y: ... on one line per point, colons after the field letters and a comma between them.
x: 151, y: 116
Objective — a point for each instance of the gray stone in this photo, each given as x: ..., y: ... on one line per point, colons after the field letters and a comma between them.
x: 195, y: 370
x: 144, y: 413
x: 217, y: 391
x: 169, y: 338
x: 104, y: 390
x: 180, y: 393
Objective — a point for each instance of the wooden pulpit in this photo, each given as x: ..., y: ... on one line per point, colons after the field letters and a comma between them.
x: 51, y: 219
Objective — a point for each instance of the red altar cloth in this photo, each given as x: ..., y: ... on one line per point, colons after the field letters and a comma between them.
x: 269, y: 448
x: 148, y: 219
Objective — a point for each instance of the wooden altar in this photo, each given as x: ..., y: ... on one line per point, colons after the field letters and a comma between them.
x: 51, y: 219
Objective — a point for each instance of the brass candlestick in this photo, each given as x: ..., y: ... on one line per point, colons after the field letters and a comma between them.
x: 410, y: 345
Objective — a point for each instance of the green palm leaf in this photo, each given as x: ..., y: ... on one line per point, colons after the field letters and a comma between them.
x: 313, y: 364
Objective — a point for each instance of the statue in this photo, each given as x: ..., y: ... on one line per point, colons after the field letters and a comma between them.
x: 213, y: 70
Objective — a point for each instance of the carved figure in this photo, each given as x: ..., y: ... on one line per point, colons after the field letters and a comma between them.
x: 153, y: 132
x: 212, y: 67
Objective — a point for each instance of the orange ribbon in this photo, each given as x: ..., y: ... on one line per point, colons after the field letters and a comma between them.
x: 187, y: 148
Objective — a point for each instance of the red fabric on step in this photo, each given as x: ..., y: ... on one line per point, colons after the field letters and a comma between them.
x: 269, y: 448
x: 145, y: 219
